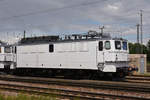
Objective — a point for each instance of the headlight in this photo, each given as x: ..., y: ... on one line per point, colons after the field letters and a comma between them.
x: 100, y: 66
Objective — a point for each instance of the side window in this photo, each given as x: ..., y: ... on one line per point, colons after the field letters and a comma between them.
x: 124, y: 45
x: 107, y: 45
x: 51, y: 48
x: 118, y: 45
x: 100, y: 45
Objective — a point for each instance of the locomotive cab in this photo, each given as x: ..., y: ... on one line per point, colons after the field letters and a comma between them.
x: 116, y: 51
x: 113, y: 55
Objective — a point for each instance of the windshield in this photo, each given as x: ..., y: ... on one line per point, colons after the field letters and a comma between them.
x: 107, y: 45
x: 7, y: 50
x: 118, y: 45
x: 124, y: 45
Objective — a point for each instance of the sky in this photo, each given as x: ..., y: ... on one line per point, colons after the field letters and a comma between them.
x: 50, y: 17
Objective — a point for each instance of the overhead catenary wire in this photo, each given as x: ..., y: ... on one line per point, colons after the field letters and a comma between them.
x: 49, y: 11
x: 52, y: 10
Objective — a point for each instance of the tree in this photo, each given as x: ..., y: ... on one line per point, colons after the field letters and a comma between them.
x: 148, y: 45
x: 135, y: 48
x: 148, y: 51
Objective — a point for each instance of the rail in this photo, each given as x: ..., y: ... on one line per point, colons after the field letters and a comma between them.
x: 105, y: 85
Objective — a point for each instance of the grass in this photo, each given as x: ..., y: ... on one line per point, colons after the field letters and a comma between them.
x: 145, y: 74
x: 21, y: 96
x: 26, y: 97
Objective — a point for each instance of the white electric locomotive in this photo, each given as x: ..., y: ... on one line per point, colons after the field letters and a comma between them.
x: 77, y: 55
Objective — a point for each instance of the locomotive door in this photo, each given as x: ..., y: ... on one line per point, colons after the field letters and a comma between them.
x: 100, y: 53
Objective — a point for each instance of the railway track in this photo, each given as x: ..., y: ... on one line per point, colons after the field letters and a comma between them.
x: 141, y: 75
x: 22, y: 86
x: 138, y: 79
x: 65, y: 93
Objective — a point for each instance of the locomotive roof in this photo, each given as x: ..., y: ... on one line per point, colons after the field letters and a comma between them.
x: 90, y: 36
x: 39, y: 39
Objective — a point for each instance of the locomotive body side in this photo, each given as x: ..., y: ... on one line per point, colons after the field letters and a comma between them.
x: 63, y: 55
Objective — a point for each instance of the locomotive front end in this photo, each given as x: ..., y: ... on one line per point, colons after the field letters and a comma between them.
x: 113, y: 56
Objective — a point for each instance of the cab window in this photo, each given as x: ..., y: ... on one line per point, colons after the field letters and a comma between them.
x: 107, y: 45
x: 7, y: 50
x: 100, y: 45
x: 124, y: 45
x: 118, y: 45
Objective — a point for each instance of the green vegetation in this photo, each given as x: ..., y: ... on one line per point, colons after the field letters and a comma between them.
x: 134, y: 48
x: 26, y: 97
x: 21, y: 96
x: 145, y: 74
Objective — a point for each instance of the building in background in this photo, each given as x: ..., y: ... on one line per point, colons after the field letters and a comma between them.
x: 139, y: 61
